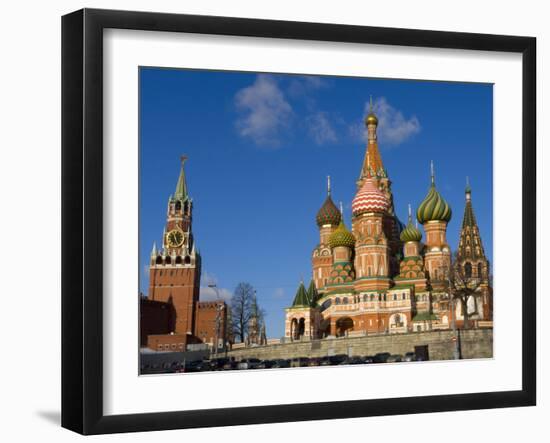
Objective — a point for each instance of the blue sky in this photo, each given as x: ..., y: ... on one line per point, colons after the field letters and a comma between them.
x: 260, y: 147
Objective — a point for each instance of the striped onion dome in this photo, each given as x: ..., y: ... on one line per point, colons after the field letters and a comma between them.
x: 341, y: 237
x: 410, y: 233
x: 328, y: 214
x: 369, y: 199
x: 433, y: 208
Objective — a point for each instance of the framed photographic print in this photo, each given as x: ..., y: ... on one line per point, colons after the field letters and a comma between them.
x: 269, y: 221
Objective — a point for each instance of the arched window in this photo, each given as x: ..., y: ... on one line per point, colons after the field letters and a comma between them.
x: 179, y: 260
x: 345, y: 301
x: 168, y: 260
x: 365, y: 297
x: 326, y: 304
x: 404, y: 296
x: 337, y: 300
x: 468, y: 270
x: 372, y: 297
x: 187, y: 260
x: 178, y: 206
x: 186, y: 208
x: 479, y: 270
x: 158, y: 261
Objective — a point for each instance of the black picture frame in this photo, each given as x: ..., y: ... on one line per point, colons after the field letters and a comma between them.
x: 82, y: 216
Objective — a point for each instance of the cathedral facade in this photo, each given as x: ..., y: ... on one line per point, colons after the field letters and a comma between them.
x: 386, y: 277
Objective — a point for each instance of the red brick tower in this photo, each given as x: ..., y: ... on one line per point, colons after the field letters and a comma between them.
x: 175, y: 269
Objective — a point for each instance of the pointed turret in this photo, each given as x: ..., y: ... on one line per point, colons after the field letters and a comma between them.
x: 154, y: 250
x: 470, y: 245
x: 312, y: 293
x: 301, y: 298
x: 372, y: 164
x: 181, y: 186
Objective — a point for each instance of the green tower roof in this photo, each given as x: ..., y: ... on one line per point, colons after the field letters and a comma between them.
x: 301, y: 299
x: 312, y: 293
x: 181, y: 186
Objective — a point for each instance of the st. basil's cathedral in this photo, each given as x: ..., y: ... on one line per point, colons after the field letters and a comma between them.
x: 382, y: 276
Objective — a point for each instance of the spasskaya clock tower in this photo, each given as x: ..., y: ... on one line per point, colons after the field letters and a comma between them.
x: 175, y: 268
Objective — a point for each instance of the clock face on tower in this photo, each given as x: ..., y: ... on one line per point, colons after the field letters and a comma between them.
x: 174, y: 238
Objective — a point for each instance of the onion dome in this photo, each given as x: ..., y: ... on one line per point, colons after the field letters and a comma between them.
x: 434, y: 207
x: 328, y: 214
x: 369, y: 199
x: 410, y: 233
x: 341, y: 237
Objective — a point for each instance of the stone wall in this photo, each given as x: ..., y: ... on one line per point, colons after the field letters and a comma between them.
x: 474, y: 343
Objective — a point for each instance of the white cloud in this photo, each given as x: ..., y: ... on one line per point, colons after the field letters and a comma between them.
x: 393, y: 127
x: 320, y: 128
x: 279, y: 293
x: 306, y: 83
x: 209, y: 290
x: 266, y: 112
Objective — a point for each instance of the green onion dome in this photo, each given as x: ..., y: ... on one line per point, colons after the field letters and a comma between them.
x: 341, y: 237
x: 434, y: 207
x: 328, y: 214
x: 410, y: 233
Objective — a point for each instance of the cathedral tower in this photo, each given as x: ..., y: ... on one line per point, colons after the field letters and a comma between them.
x: 372, y: 252
x: 472, y: 264
x: 328, y: 218
x: 435, y: 213
x: 341, y: 243
x: 373, y: 168
x: 174, y: 271
x: 412, y: 266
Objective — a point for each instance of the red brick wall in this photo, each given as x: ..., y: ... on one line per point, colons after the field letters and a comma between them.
x: 181, y: 286
x: 155, y: 318
x: 205, y: 324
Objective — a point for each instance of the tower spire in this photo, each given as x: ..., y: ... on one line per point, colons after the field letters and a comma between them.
x: 373, y: 160
x: 432, y: 173
x: 342, y: 210
x: 328, y: 184
x: 410, y: 213
x: 181, y: 186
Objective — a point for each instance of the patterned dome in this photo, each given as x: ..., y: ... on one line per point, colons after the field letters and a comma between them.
x: 341, y: 237
x: 370, y: 199
x: 410, y: 233
x: 434, y: 207
x: 328, y: 214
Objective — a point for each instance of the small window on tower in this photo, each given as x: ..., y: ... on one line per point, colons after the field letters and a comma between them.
x: 178, y: 206
x: 187, y: 260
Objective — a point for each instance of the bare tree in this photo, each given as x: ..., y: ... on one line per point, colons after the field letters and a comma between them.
x: 241, y: 309
x: 463, y: 286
